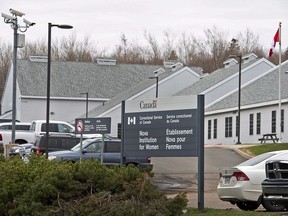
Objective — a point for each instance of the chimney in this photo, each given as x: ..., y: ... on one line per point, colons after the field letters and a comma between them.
x: 42, y: 59
x: 229, y: 62
x: 249, y: 57
x: 173, y: 64
x: 106, y: 61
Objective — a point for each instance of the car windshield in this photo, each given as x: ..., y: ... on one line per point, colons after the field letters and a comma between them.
x: 256, y: 160
x: 85, y: 143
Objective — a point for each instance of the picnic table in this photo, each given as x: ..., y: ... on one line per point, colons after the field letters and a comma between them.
x: 269, y: 136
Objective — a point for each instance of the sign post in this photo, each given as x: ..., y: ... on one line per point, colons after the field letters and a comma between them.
x: 166, y: 127
x: 93, y: 126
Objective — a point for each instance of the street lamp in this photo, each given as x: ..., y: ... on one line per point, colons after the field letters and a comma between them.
x: 239, y: 94
x: 86, y: 93
x: 50, y: 25
x: 13, y: 21
x: 157, y: 79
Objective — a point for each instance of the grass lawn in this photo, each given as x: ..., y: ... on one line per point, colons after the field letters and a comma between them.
x: 262, y: 148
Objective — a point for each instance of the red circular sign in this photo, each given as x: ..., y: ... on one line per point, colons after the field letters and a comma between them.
x: 80, y: 126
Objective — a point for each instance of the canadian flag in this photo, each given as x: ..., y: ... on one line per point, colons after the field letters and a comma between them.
x: 276, y: 39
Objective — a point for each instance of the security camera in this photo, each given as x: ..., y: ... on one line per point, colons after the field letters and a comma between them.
x: 28, y: 23
x: 7, y: 17
x: 16, y: 13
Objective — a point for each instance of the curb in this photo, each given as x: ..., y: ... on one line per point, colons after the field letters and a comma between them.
x: 243, y: 154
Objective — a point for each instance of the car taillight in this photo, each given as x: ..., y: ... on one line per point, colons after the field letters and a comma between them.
x: 240, y: 176
x: 1, y: 138
x: 38, y: 150
x: 149, y: 160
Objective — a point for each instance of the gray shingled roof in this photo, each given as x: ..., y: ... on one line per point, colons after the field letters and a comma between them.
x: 69, y: 79
x: 264, y: 89
x: 133, y: 91
x: 212, y: 79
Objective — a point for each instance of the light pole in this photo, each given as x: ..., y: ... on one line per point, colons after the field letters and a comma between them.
x: 239, y: 94
x: 157, y: 79
x: 50, y: 25
x: 13, y: 21
x: 86, y: 93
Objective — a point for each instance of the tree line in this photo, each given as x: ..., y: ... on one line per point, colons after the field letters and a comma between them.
x: 208, y: 52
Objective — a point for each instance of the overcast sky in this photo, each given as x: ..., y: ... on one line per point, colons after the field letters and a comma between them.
x: 104, y: 21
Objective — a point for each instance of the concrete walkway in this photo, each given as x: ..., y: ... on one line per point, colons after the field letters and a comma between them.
x: 235, y: 147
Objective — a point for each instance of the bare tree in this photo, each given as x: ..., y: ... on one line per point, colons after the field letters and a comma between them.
x: 248, y: 42
x: 168, y: 43
x: 154, y: 47
x: 5, y: 61
x: 186, y: 49
x: 33, y: 48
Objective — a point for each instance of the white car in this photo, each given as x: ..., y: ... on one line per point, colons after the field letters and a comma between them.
x: 18, y: 126
x: 241, y: 184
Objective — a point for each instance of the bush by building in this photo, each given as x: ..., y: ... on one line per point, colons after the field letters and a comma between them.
x: 43, y: 187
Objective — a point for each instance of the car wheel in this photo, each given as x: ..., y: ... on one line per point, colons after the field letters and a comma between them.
x: 273, y: 206
x: 248, y: 206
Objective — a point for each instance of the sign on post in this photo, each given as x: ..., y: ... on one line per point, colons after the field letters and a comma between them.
x: 161, y: 127
x: 93, y: 125
x: 166, y: 127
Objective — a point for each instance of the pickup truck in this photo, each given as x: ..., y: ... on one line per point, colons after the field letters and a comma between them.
x: 275, y: 186
x: 56, y: 143
x: 37, y: 128
x: 92, y: 148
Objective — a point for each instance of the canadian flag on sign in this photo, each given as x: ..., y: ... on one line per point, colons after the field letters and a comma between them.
x: 276, y: 39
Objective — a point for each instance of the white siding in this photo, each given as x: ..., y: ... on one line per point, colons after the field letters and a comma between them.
x: 266, y: 124
x: 64, y: 110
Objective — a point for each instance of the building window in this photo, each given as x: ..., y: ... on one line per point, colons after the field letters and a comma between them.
x: 237, y: 126
x: 215, y: 129
x: 273, y: 122
x: 228, y: 127
x: 209, y: 129
x: 251, y: 124
x: 282, y: 120
x: 258, y: 129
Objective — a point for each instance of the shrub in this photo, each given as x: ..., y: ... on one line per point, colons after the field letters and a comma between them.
x: 43, y: 187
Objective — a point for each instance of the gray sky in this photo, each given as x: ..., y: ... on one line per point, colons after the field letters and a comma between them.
x: 105, y: 20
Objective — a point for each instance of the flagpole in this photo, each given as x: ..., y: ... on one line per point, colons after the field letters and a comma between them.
x: 279, y: 115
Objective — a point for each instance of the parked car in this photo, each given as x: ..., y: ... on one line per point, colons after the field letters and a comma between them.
x: 6, y: 127
x: 25, y: 148
x: 91, y: 148
x: 18, y: 126
x: 37, y: 128
x: 241, y: 184
x: 56, y: 143
x: 275, y: 186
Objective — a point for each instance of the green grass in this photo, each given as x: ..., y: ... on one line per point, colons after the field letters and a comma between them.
x: 263, y: 148
x: 229, y: 212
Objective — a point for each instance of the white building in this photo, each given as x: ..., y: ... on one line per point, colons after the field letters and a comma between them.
x: 108, y: 84
x: 102, y: 80
x: 220, y: 89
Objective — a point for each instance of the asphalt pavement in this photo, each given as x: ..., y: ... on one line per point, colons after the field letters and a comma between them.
x: 174, y: 183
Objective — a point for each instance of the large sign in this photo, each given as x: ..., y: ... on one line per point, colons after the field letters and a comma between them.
x: 161, y: 127
x: 93, y: 125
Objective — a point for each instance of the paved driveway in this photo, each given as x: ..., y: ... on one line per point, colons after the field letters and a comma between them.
x: 180, y: 174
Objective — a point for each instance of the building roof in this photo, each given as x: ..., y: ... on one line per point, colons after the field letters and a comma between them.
x: 135, y: 90
x: 69, y: 79
x: 263, y: 90
x: 212, y: 79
